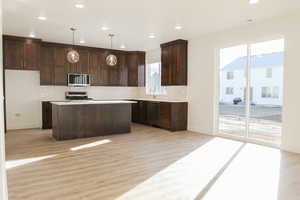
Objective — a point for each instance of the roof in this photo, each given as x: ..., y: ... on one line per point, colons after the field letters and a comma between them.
x: 260, y: 60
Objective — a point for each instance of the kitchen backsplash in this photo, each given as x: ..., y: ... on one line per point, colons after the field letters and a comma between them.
x: 173, y: 93
x: 57, y: 93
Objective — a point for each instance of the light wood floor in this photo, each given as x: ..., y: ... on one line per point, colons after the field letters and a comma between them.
x: 147, y: 164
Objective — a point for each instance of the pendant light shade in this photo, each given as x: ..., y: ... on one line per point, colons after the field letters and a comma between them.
x: 73, y: 55
x: 111, y: 59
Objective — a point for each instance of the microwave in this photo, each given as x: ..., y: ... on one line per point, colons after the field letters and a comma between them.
x: 78, y: 80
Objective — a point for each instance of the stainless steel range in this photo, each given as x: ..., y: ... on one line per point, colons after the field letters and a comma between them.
x: 77, y: 95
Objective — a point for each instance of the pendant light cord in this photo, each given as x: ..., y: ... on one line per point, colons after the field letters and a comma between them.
x: 73, y: 41
x: 111, y: 42
x: 111, y: 38
x: 73, y: 38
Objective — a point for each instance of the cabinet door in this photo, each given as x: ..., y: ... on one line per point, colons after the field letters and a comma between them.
x: 13, y: 54
x: 180, y: 68
x: 114, y: 76
x: 174, y: 63
x: 141, y: 69
x: 32, y: 55
x: 93, y: 67
x: 143, y: 112
x: 47, y: 66
x: 47, y: 115
x: 123, y: 70
x: 165, y: 115
x: 153, y: 113
x: 135, y: 110
x: 118, y: 74
x: 84, y: 61
x: 166, y: 62
x: 60, y: 66
x: 132, y: 62
x: 104, y: 78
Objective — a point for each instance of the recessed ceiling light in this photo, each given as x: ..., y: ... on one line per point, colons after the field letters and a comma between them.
x: 250, y: 21
x: 151, y: 35
x: 32, y: 35
x: 253, y: 1
x: 178, y: 27
x: 81, y: 41
x: 122, y: 46
x: 104, y: 28
x: 42, y: 18
x: 79, y: 5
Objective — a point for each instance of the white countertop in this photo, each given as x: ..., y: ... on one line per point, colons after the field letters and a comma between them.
x: 89, y: 102
x: 161, y: 100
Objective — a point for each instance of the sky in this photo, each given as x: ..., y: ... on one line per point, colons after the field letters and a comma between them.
x: 227, y: 55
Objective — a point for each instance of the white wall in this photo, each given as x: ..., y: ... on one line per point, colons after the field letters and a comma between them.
x: 202, y: 84
x: 23, y: 107
x: 3, y: 185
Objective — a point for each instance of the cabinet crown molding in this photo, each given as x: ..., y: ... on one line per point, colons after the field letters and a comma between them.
x: 175, y: 42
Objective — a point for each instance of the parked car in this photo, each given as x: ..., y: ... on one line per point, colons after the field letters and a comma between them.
x: 237, y: 100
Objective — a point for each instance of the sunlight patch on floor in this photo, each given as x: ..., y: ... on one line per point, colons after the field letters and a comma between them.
x: 16, y: 163
x: 253, y: 174
x: 187, y: 177
x: 90, y: 145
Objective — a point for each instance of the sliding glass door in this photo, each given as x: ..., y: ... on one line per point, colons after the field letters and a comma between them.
x: 266, y: 77
x: 232, y: 107
x: 250, y: 91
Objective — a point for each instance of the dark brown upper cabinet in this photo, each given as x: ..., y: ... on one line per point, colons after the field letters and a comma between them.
x: 61, y: 65
x: 174, y: 63
x: 123, y: 69
x: 95, y: 58
x: 51, y: 59
x: 47, y: 65
x: 21, y: 53
x: 136, y: 68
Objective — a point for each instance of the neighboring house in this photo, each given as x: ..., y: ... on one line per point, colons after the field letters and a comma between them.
x: 266, y: 79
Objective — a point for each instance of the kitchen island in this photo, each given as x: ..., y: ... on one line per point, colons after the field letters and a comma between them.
x: 80, y: 119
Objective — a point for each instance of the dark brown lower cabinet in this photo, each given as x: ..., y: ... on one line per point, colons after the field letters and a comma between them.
x: 153, y: 114
x: 91, y: 120
x: 167, y: 115
x: 47, y: 114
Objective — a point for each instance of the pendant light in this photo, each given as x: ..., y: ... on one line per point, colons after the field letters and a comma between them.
x: 73, y: 55
x: 111, y: 59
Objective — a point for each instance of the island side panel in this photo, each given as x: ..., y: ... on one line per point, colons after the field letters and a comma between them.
x: 79, y: 121
x: 122, y: 113
x: 55, y: 126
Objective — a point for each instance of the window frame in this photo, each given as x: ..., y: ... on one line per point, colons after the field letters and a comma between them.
x: 231, y: 89
x: 162, y: 90
x: 269, y: 73
x: 228, y: 77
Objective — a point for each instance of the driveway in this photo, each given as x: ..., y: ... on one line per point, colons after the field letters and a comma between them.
x: 272, y: 113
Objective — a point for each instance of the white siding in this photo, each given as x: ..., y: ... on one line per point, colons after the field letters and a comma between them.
x: 258, y: 80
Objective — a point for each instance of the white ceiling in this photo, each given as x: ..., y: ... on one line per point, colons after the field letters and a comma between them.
x: 133, y: 20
